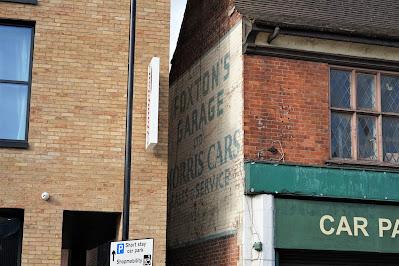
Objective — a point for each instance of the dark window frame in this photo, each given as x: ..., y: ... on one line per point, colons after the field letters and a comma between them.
x: 354, y: 111
x: 7, y: 143
x: 30, y: 2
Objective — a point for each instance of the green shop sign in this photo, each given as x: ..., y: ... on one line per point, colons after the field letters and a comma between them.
x: 320, y: 225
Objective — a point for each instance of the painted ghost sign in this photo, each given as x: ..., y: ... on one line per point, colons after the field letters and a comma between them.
x: 205, y: 150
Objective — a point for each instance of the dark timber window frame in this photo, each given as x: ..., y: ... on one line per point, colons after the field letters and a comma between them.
x: 31, y: 2
x: 8, y: 143
x: 355, y: 112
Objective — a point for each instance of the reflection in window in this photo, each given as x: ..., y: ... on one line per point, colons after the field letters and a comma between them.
x: 340, y: 84
x: 13, y: 99
x: 390, y: 131
x: 367, y: 137
x: 365, y: 85
x: 15, y: 65
x: 364, y: 126
x: 341, y: 135
x: 390, y: 94
x: 15, y: 46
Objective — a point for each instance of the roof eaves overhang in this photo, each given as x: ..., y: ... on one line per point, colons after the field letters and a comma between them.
x: 253, y: 27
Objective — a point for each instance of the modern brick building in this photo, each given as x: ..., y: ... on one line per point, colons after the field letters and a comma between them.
x: 284, y: 134
x: 63, y: 84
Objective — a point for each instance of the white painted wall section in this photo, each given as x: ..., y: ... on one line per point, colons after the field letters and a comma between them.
x: 258, y: 226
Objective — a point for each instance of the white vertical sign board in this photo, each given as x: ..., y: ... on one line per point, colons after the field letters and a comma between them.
x: 152, y: 103
x: 133, y: 252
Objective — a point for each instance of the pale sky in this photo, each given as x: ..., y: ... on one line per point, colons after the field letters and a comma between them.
x: 176, y: 18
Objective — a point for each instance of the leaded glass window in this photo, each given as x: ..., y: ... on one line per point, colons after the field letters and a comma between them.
x: 367, y: 137
x: 390, y: 131
x: 364, y: 115
x: 365, y: 85
x: 341, y: 135
x: 340, y: 88
x: 390, y: 93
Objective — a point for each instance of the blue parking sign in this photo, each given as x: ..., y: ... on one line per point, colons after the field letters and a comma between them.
x: 120, y: 249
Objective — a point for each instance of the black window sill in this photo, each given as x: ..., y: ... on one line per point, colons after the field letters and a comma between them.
x: 363, y: 164
x: 18, y: 144
x: 30, y: 2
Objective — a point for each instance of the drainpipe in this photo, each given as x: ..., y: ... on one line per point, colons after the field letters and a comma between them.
x: 274, y: 35
x: 129, y: 121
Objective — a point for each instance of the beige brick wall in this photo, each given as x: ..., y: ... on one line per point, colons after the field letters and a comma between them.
x: 77, y: 121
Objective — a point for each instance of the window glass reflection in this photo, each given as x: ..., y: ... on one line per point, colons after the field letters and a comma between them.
x: 13, y: 104
x: 15, y: 46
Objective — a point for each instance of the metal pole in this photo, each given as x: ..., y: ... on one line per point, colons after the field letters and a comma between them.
x: 129, y: 121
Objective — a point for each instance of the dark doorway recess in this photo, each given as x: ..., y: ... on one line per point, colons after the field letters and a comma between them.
x: 86, y: 237
x: 11, y: 228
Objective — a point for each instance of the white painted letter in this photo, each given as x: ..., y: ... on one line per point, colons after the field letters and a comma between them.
x: 323, y: 229
x: 395, y: 229
x: 360, y: 223
x: 384, y: 225
x: 344, y: 226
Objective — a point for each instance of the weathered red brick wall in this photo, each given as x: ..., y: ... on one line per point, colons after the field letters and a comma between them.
x: 221, y: 251
x: 205, y: 23
x: 286, y: 101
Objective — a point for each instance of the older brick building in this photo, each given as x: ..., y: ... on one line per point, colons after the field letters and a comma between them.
x: 63, y: 80
x: 284, y: 140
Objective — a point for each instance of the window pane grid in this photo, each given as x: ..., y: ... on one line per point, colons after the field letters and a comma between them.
x: 16, y: 47
x: 390, y: 94
x: 13, y: 107
x: 15, y: 52
x: 366, y: 91
x: 340, y: 88
x: 372, y: 107
x: 341, y: 135
x: 390, y: 127
x: 367, y: 137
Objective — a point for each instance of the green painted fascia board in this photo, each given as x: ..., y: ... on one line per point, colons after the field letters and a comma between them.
x: 328, y: 182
